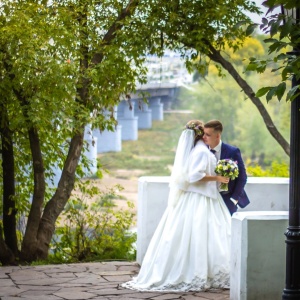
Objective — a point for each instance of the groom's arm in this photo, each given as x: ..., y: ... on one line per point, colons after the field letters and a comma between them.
x: 241, y: 180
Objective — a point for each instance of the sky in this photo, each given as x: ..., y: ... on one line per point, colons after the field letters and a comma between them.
x: 257, y: 18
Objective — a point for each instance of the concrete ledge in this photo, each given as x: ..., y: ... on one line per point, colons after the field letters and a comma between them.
x: 258, y: 241
x: 258, y: 255
x: 265, y: 193
x: 152, y: 201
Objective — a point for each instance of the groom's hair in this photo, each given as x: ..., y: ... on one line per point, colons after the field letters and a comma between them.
x: 215, y: 124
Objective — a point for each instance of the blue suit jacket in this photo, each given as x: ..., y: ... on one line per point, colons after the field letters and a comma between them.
x: 236, y: 186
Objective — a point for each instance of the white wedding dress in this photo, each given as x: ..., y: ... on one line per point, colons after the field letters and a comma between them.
x: 189, y: 250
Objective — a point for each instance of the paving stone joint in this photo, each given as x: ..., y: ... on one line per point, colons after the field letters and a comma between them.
x: 97, y: 280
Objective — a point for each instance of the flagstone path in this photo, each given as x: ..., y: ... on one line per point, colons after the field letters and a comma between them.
x: 82, y: 281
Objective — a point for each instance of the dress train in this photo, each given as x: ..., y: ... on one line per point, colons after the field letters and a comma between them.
x: 190, y: 248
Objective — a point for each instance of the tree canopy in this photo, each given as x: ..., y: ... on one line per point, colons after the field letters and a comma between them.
x: 283, y: 43
x: 63, y: 65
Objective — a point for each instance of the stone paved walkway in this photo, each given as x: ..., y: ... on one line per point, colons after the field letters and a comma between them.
x: 83, y: 281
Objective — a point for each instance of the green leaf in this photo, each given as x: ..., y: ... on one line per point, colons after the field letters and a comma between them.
x: 286, y: 29
x: 274, y: 28
x: 264, y: 21
x: 276, y: 46
x: 251, y: 67
x: 280, y: 90
x: 296, y: 95
x: 291, y: 95
x: 271, y: 93
x: 281, y: 56
x: 261, y: 68
x: 286, y: 72
x: 270, y: 40
x: 262, y: 91
x: 250, y: 29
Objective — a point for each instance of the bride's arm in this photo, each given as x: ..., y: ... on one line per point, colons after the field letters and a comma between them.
x: 218, y: 178
x: 198, y: 170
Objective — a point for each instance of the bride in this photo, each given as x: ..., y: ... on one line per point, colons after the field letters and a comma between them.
x: 189, y: 250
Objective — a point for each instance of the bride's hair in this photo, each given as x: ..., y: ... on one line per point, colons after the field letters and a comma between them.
x: 198, y: 127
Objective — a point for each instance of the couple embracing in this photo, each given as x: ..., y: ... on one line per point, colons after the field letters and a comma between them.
x: 190, y: 249
x: 236, y: 195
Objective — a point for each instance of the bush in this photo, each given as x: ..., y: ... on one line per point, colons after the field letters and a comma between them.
x: 275, y: 170
x: 93, y: 231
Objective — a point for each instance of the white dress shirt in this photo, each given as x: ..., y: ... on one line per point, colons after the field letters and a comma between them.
x: 218, y: 150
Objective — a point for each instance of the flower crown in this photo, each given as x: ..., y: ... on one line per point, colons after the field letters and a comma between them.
x: 197, y: 128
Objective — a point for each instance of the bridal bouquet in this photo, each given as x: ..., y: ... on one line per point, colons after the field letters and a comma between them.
x: 228, y: 168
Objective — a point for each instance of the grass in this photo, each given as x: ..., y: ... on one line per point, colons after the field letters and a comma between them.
x: 153, y: 153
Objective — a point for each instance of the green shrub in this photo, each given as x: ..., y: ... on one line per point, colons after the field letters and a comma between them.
x: 94, y: 230
x: 275, y: 170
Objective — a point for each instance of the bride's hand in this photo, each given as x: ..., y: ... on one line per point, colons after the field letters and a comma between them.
x: 222, y: 179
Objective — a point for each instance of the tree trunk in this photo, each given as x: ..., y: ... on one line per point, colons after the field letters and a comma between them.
x: 56, y: 205
x: 9, y: 206
x: 218, y: 58
x: 7, y: 258
x: 30, y: 238
x: 29, y: 245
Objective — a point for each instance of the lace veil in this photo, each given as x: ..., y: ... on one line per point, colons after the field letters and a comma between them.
x: 179, y: 174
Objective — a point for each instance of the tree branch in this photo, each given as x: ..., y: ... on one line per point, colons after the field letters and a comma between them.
x: 116, y: 26
x: 215, y: 55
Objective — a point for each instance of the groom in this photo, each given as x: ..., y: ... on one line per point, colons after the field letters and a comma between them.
x: 236, y: 194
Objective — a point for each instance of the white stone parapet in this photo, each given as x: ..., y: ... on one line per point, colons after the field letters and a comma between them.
x: 265, y: 194
x: 257, y: 234
x: 257, y: 261
x: 152, y: 202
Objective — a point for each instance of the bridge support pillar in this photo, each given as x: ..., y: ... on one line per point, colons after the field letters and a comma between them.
x: 157, y: 109
x: 144, y: 115
x: 128, y: 121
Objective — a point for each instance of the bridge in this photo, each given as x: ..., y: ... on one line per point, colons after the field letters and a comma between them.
x: 165, y: 77
x: 147, y: 104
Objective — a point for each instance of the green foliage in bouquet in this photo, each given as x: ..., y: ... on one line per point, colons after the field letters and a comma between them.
x: 228, y: 168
